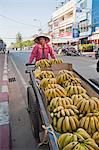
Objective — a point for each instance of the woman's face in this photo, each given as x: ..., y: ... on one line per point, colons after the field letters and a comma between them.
x: 42, y: 41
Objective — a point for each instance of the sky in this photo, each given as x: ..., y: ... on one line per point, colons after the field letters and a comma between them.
x: 24, y: 11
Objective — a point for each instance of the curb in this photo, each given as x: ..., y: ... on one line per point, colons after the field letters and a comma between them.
x: 4, y: 110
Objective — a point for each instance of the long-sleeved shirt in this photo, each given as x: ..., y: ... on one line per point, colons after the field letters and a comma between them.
x: 37, y: 52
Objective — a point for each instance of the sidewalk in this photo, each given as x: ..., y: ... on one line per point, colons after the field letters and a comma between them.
x: 4, y: 97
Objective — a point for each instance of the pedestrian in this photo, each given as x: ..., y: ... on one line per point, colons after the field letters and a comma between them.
x: 41, y: 50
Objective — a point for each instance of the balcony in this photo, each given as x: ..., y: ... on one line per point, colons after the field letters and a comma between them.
x: 66, y: 22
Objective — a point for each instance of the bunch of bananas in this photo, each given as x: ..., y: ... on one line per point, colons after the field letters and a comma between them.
x: 54, y: 92
x: 78, y: 97
x: 87, y: 105
x: 72, y: 82
x: 46, y: 74
x: 43, y: 63
x: 61, y: 78
x: 90, y: 122
x: 70, y: 73
x: 55, y: 61
x: 37, y: 73
x: 95, y: 136
x: 69, y: 141
x: 46, y: 81
x: 58, y: 101
x: 71, y: 90
x: 64, y: 120
x: 54, y: 86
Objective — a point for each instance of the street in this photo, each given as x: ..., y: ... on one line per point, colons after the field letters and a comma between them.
x: 21, y: 133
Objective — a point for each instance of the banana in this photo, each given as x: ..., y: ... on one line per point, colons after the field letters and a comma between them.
x: 83, y: 133
x: 82, y: 122
x: 79, y: 104
x: 92, y: 143
x: 79, y: 88
x: 68, y: 127
x: 73, y: 124
x: 54, y: 121
x: 96, y: 136
x: 59, y: 124
x: 92, y: 123
x: 67, y: 112
x: 89, y: 147
x: 87, y: 121
x: 63, y: 112
x: 59, y: 114
x: 77, y: 147
x: 84, y: 95
x: 71, y: 90
x: 70, y: 146
x: 52, y: 115
x: 71, y: 112
x: 64, y: 129
x: 61, y: 140
x: 96, y: 121
x: 80, y: 137
x: 75, y: 138
x: 75, y: 90
x: 86, y: 107
x: 68, y: 139
x: 92, y: 104
x: 82, y: 105
x: 76, y: 121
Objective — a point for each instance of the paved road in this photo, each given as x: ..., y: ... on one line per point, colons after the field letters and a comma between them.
x: 83, y: 65
x: 86, y: 66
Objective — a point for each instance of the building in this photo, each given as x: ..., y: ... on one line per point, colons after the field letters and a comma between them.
x: 95, y: 22
x: 60, y: 26
x: 82, y: 13
x: 88, y: 20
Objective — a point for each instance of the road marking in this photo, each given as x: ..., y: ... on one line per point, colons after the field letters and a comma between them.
x: 5, y: 88
x: 22, y: 79
x: 5, y: 78
x: 4, y: 113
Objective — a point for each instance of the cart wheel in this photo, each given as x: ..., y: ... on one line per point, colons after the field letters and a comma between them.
x: 34, y: 113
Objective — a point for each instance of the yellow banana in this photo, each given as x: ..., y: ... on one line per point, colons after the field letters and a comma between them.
x: 63, y: 112
x: 72, y: 122
x: 87, y: 121
x: 76, y: 120
x: 83, y: 133
x: 68, y: 139
x: 82, y: 105
x: 68, y: 127
x: 96, y: 121
x: 86, y: 107
x: 75, y: 90
x: 70, y: 146
x: 64, y: 129
x: 71, y: 112
x: 67, y: 112
x: 92, y: 123
x: 82, y: 122
x: 55, y: 121
x: 59, y: 124
x: 61, y: 140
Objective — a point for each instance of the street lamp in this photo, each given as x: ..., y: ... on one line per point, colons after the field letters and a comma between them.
x: 40, y: 25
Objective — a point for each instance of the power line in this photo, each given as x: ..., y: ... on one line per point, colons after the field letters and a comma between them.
x: 15, y: 21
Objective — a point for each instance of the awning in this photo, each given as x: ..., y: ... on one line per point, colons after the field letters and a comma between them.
x: 94, y: 37
x: 64, y: 40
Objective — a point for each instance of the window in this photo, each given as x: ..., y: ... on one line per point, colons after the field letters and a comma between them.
x: 69, y: 29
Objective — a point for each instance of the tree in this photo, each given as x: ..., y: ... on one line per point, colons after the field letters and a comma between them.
x: 18, y: 38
